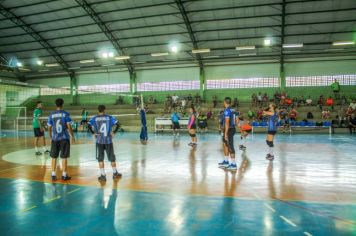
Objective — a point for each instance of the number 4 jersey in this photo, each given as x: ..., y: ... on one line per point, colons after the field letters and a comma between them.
x: 102, y: 126
x: 58, y: 120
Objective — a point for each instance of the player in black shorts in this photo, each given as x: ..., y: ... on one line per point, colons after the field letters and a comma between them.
x: 59, y: 123
x: 102, y: 127
x: 192, y: 126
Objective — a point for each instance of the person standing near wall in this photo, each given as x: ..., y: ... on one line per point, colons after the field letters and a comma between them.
x: 336, y: 89
x: 38, y: 129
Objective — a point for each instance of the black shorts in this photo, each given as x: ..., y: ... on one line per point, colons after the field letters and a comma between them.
x: 83, y: 122
x: 38, y: 132
x: 230, y: 142
x: 247, y: 131
x: 194, y: 126
x: 202, y: 125
x: 60, y: 147
x: 176, y: 125
x: 271, y: 132
x: 109, y: 148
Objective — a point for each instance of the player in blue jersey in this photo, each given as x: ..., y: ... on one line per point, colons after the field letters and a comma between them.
x: 104, y: 126
x: 229, y: 129
x: 272, y: 115
x: 60, y: 131
x: 175, y: 123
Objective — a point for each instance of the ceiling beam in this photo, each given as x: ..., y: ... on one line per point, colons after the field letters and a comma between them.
x: 30, y: 31
x: 105, y: 29
x: 184, y: 14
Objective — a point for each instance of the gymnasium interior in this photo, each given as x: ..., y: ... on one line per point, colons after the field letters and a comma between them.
x: 145, y: 60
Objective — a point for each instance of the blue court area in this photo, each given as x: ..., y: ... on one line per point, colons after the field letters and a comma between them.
x: 57, y: 209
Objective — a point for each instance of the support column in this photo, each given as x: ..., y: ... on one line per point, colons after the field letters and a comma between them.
x: 133, y: 84
x: 282, y: 76
x: 73, y: 88
x: 202, y: 83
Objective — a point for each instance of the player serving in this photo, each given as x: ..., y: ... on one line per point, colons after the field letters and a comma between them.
x: 102, y: 127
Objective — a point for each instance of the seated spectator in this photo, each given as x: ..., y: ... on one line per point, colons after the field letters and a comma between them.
x: 295, y: 102
x: 147, y: 110
x: 288, y: 102
x: 343, y: 100
x: 259, y: 99
x: 202, y: 121
x: 293, y: 114
x: 235, y: 103
x: 310, y: 115
x: 254, y: 99
x: 209, y: 114
x: 301, y: 101
x: 283, y: 98
x: 189, y: 100
x: 330, y: 103
x: 352, y: 124
x: 309, y: 101
x: 265, y: 99
x: 251, y: 114
x: 277, y: 97
x: 151, y: 100
x: 175, y: 99
x: 120, y: 100
x: 349, y: 112
x: 321, y: 102
x: 197, y: 99
x: 215, y: 101
x: 260, y: 114
x: 325, y: 114
x: 353, y: 104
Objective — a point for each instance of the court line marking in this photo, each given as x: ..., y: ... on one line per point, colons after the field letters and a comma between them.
x: 269, y: 207
x: 51, y: 200
x: 28, y: 209
x: 288, y: 221
x: 10, y: 169
x: 72, y: 191
x: 307, y: 234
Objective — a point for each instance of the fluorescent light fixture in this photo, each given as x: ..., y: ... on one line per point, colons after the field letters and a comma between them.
x: 211, y: 57
x: 39, y: 62
x: 104, y: 55
x: 267, y: 42
x: 334, y: 49
x: 122, y: 57
x: 342, y: 43
x: 111, y: 54
x: 293, y: 45
x: 73, y: 68
x: 52, y: 65
x: 247, y: 54
x: 24, y: 69
x: 174, y: 49
x: 139, y: 62
x: 21, y: 83
x: 202, y: 50
x: 159, y: 54
x: 87, y: 61
x: 245, y: 48
x: 108, y: 65
x: 19, y: 64
x: 44, y: 70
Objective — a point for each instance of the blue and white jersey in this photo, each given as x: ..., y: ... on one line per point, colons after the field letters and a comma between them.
x: 229, y: 113
x: 102, y: 126
x: 58, y: 120
x: 175, y: 118
x: 272, y: 122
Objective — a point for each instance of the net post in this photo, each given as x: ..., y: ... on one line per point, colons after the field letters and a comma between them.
x: 142, y: 105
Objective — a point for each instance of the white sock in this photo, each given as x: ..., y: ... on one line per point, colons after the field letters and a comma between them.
x: 102, y: 171
x: 271, y: 151
x: 226, y: 158
x: 64, y: 174
x: 36, y: 148
x: 53, y: 173
x: 114, y: 169
x: 233, y: 161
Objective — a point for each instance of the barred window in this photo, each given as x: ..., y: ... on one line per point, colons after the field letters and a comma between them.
x: 107, y: 88
x: 322, y: 80
x: 54, y: 91
x: 168, y: 86
x: 243, y: 83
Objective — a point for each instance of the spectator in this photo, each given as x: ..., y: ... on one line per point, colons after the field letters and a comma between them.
x: 175, y: 100
x: 251, y: 114
x: 283, y: 98
x: 310, y: 115
x: 147, y: 110
x: 349, y: 112
x: 301, y: 101
x: 353, y: 104
x: 336, y: 89
x: 320, y: 102
x: 343, y: 100
x: 325, y: 114
x: 209, y: 114
x: 277, y: 97
x: 293, y: 114
x: 288, y: 102
x: 330, y: 103
x: 197, y: 99
x: 260, y: 114
x: 183, y: 102
x: 202, y: 122
x: 254, y: 99
x: 295, y: 102
x: 151, y: 100
x: 265, y: 99
x: 215, y: 101
x: 190, y: 100
x: 309, y: 101
x: 259, y: 99
x: 235, y: 103
x: 120, y: 100
x: 352, y: 124
x: 284, y: 119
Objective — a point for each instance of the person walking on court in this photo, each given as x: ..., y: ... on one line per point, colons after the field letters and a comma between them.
x: 272, y: 115
x: 175, y: 123
x: 192, y: 126
x: 60, y: 131
x: 104, y: 127
x: 38, y: 129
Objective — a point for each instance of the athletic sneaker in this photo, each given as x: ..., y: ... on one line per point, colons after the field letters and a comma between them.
x: 223, y: 164
x: 38, y: 153
x: 54, y: 178
x: 270, y: 157
x: 232, y: 167
x: 66, y: 177
x: 102, y: 178
x: 242, y: 147
x: 116, y: 175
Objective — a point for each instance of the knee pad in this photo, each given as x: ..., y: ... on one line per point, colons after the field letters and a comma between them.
x: 269, y: 143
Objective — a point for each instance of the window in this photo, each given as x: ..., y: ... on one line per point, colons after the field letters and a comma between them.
x: 107, y: 88
x: 54, y: 91
x: 301, y: 81
x: 168, y: 86
x: 243, y: 83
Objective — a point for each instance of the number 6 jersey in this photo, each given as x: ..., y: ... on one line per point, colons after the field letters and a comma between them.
x: 58, y: 120
x: 102, y: 126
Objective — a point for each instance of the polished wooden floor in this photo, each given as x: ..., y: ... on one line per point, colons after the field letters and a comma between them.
x: 170, y: 189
